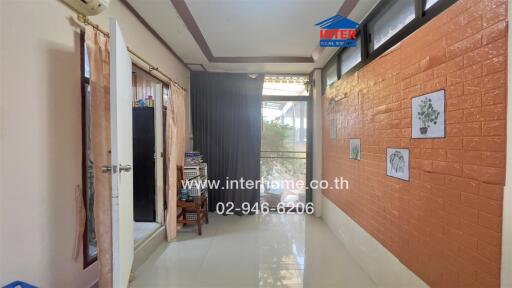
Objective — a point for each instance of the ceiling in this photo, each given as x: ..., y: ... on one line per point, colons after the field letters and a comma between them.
x: 253, y: 36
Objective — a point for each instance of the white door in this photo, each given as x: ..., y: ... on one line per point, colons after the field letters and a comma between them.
x: 122, y: 157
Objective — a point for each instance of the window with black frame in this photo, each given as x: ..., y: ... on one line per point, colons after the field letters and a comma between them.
x: 90, y: 248
x: 329, y: 74
x: 284, y: 141
x: 391, y: 18
x: 430, y: 3
x: 386, y: 25
x: 350, y: 57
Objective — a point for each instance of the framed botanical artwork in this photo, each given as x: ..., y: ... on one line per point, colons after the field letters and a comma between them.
x: 397, y: 163
x: 428, y: 115
x: 354, y: 149
x: 332, y: 128
x: 331, y: 105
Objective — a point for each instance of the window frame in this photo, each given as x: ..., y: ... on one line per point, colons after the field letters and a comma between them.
x: 84, y: 81
x: 309, y: 131
x: 284, y: 95
x: 422, y: 16
x: 383, y: 8
x: 359, y: 35
x: 333, y: 62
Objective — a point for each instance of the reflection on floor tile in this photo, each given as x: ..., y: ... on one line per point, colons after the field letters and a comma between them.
x: 142, y: 230
x: 253, y: 251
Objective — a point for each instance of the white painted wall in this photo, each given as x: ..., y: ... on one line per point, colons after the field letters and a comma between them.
x: 40, y: 135
x: 382, y: 266
x: 317, y: 139
x: 506, y: 243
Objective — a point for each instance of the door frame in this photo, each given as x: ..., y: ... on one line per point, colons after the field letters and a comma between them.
x: 309, y: 132
x: 159, y: 126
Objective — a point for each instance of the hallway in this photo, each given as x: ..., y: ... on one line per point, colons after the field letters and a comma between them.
x: 389, y: 120
x: 254, y: 251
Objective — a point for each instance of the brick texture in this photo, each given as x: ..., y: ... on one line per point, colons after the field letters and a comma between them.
x: 445, y: 223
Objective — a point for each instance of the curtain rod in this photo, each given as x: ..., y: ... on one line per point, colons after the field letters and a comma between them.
x: 83, y: 19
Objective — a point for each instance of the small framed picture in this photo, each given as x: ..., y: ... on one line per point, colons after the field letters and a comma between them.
x: 354, y: 149
x: 332, y: 128
x: 428, y: 115
x: 397, y: 163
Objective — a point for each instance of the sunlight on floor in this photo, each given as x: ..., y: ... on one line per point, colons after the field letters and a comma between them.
x: 254, y: 251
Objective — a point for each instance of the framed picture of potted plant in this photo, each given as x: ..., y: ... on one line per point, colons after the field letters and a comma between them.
x: 332, y: 128
x: 428, y: 115
x: 397, y: 163
x: 354, y: 149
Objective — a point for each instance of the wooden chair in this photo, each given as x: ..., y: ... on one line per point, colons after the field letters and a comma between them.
x: 198, y: 205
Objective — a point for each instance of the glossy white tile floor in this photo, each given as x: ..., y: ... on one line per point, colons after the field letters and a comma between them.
x: 142, y: 230
x: 254, y: 251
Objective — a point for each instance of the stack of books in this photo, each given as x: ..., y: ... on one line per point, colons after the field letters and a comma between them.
x: 193, y: 157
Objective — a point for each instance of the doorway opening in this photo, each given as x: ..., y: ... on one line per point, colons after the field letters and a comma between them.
x: 148, y: 184
x: 285, y: 141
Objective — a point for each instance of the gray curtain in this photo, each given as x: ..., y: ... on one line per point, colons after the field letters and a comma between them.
x: 226, y: 121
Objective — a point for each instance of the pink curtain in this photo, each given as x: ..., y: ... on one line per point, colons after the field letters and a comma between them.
x: 99, y: 58
x: 179, y: 100
x: 175, y: 153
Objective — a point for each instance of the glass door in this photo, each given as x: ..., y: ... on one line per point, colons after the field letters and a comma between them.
x: 284, y: 142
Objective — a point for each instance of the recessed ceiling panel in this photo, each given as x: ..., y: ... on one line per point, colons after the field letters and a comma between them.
x: 163, y: 18
x: 244, y: 29
x: 196, y: 67
x: 249, y: 28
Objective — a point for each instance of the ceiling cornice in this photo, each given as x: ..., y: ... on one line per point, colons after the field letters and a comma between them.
x: 153, y: 32
x: 189, y: 21
x: 185, y: 14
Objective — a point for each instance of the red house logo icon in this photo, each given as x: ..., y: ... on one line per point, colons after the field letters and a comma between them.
x: 338, y: 31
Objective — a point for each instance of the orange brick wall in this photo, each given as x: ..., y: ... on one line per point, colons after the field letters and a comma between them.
x: 445, y: 223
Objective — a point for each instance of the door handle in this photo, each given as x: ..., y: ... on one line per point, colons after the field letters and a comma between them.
x: 108, y: 169
x: 125, y: 168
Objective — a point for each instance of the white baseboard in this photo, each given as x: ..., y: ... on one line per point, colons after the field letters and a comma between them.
x: 143, y: 250
x: 506, y: 242
x: 382, y: 266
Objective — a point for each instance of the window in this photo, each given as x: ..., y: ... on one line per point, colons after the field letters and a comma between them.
x: 165, y: 96
x: 350, y: 57
x: 90, y: 247
x: 430, y: 3
x: 386, y: 25
x: 87, y: 65
x: 289, y: 85
x: 390, y: 19
x: 331, y: 75
x: 285, y: 140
